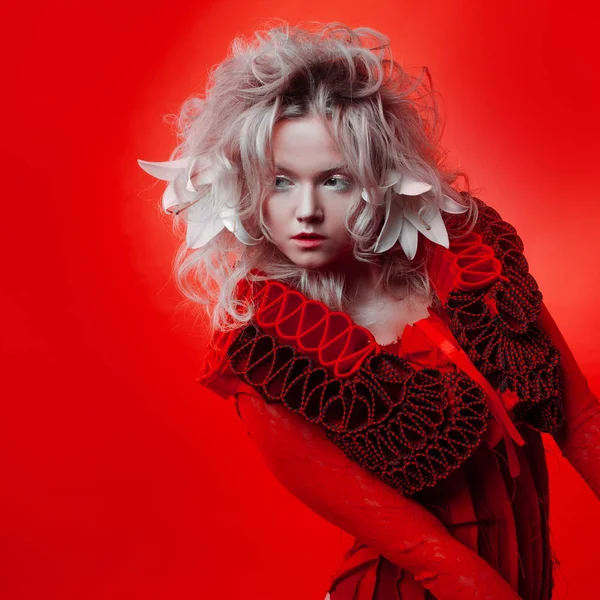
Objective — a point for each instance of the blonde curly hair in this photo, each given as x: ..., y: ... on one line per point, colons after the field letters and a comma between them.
x: 381, y: 118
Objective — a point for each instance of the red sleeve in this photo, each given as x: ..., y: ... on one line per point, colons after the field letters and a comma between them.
x: 224, y: 382
x: 216, y: 374
x: 319, y: 474
x: 579, y: 438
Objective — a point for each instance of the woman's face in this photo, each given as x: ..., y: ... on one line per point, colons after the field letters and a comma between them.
x: 311, y: 193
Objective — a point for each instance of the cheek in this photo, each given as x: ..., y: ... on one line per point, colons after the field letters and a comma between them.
x: 267, y: 211
x: 338, y: 217
x: 275, y: 216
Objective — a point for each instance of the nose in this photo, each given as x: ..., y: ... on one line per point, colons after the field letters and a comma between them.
x: 309, y: 207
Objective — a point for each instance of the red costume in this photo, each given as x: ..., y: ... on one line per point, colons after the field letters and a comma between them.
x: 428, y: 451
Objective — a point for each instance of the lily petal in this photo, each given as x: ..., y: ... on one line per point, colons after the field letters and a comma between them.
x: 409, y: 238
x: 198, y: 212
x: 391, y: 179
x: 200, y: 229
x: 437, y: 232
x: 365, y: 196
x: 451, y: 206
x: 198, y: 234
x: 166, y: 170
x: 233, y: 223
x: 228, y: 216
x: 403, y: 184
x: 176, y: 197
x: 170, y: 199
x: 392, y: 226
x: 410, y: 186
x: 242, y: 235
x: 204, y: 176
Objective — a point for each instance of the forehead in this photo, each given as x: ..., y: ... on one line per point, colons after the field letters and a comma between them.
x: 304, y: 144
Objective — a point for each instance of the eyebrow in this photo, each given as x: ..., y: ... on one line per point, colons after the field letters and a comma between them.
x: 321, y: 174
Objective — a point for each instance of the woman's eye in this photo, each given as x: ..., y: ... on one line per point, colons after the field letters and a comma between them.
x: 339, y: 183
x: 278, y: 178
x: 345, y: 184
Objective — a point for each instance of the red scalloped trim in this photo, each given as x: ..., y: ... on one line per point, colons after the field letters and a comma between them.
x: 469, y: 264
x: 330, y: 337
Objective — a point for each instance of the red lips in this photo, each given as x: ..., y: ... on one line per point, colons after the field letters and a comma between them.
x: 309, y: 236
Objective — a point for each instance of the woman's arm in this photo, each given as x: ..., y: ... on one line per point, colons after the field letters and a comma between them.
x: 579, y: 438
x: 319, y: 474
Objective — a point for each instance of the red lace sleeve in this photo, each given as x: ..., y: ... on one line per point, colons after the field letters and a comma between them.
x: 579, y: 438
x: 320, y: 475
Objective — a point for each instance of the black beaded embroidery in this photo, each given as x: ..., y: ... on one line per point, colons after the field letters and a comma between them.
x: 498, y: 327
x: 409, y: 427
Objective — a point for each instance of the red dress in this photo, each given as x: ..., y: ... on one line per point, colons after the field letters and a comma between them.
x: 428, y: 451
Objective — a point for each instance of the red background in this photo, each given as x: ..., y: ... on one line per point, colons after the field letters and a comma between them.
x: 121, y: 478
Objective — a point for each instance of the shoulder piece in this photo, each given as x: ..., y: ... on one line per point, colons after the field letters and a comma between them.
x: 494, y: 304
x: 409, y: 426
x: 215, y: 373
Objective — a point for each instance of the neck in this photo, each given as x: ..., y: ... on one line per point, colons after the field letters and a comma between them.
x: 361, y: 285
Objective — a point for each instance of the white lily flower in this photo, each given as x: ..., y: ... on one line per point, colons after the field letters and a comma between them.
x: 402, y: 223
x: 201, y: 225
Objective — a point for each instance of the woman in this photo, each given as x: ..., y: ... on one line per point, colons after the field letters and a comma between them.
x: 396, y: 383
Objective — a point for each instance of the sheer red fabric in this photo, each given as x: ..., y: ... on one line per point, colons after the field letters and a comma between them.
x: 480, y: 535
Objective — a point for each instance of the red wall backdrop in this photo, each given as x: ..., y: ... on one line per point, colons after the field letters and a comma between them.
x: 120, y: 478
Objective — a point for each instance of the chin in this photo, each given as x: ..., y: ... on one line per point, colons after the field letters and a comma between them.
x: 317, y: 258
x: 320, y: 260
x: 311, y: 262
